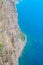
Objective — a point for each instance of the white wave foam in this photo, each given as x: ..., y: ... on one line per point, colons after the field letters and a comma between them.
x: 18, y: 1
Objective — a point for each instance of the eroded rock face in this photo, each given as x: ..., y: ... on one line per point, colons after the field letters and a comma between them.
x: 10, y: 33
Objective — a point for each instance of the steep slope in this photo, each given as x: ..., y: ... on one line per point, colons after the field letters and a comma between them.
x: 12, y: 40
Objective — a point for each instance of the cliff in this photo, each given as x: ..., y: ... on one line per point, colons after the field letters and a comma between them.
x: 12, y: 40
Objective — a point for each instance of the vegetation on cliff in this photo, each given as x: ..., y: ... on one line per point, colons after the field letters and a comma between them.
x: 1, y: 49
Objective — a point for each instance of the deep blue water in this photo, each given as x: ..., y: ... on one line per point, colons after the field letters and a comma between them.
x: 30, y: 15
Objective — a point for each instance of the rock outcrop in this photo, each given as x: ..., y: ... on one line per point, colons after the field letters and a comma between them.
x: 11, y: 37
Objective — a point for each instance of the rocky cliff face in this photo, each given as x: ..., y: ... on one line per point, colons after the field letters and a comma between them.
x: 12, y: 40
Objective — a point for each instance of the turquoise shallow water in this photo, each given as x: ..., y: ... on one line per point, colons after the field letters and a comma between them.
x: 30, y: 15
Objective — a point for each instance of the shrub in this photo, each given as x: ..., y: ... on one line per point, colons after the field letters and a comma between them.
x: 1, y: 49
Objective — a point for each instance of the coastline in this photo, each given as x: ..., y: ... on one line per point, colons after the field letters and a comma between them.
x: 24, y: 43
x: 21, y: 31
x: 12, y: 37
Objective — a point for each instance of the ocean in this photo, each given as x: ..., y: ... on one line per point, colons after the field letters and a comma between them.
x: 30, y: 20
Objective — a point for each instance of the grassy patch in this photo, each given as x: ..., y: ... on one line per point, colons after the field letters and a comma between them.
x: 1, y: 45
x: 1, y: 49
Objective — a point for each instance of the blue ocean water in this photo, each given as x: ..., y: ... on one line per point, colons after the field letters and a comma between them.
x: 30, y: 15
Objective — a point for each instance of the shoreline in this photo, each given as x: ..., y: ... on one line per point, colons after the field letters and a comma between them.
x: 12, y: 37
x: 19, y: 26
x: 21, y: 31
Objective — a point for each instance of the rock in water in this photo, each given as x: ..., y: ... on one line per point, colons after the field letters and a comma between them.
x: 10, y: 34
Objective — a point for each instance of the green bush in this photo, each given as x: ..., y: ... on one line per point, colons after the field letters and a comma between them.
x: 1, y: 49
x: 1, y: 45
